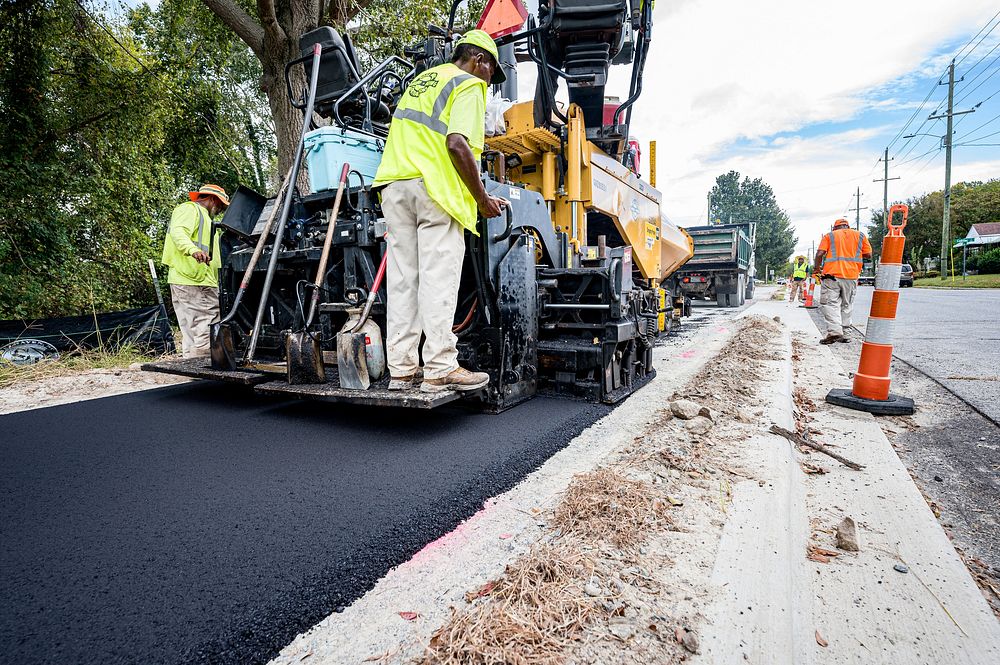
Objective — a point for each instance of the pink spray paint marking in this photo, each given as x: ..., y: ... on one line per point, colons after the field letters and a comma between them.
x: 722, y: 329
x: 453, y: 538
x: 690, y: 353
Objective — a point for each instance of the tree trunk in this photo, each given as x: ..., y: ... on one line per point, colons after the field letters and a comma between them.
x: 287, y: 119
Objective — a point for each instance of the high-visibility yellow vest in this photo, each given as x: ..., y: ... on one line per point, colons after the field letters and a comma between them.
x: 190, y: 231
x: 800, y: 271
x: 416, y: 147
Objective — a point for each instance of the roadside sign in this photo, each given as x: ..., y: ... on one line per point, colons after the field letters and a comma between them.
x: 961, y: 242
x: 502, y: 17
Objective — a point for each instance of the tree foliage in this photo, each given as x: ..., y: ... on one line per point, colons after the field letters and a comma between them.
x: 104, y: 125
x: 971, y: 203
x: 735, y: 200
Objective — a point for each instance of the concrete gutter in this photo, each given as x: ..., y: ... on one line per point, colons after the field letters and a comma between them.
x: 777, y: 606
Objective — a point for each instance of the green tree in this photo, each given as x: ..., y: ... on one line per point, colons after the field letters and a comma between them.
x: 271, y: 29
x: 104, y: 125
x: 746, y: 200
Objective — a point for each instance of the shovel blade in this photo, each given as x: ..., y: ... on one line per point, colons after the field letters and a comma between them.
x: 223, y: 347
x: 351, y: 363
x: 305, y: 359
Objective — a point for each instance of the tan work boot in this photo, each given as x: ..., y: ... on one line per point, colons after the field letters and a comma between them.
x: 460, y: 379
x: 406, y: 382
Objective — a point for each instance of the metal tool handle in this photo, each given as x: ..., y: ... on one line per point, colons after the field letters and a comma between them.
x: 376, y: 285
x: 327, y: 242
x: 272, y: 265
x: 257, y: 252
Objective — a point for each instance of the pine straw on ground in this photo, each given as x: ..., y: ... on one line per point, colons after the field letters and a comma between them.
x: 606, y: 506
x: 537, y: 611
x: 530, y: 615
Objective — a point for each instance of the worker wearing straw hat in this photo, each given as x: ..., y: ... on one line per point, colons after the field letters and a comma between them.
x: 191, y: 250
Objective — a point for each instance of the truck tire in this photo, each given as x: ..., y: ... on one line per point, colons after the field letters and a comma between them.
x: 741, y: 290
x: 750, y: 289
x: 722, y: 299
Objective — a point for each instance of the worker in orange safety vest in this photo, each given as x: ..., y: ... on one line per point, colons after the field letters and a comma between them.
x: 839, y: 259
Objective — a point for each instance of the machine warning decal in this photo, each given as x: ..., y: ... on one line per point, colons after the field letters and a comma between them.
x: 652, y: 234
x: 634, y: 208
x: 515, y: 194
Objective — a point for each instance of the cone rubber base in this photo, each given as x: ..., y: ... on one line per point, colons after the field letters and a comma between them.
x: 894, y: 406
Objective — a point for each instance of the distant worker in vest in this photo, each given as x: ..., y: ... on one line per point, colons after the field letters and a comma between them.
x: 800, y: 271
x: 192, y: 253
x: 839, y: 260
x: 433, y: 193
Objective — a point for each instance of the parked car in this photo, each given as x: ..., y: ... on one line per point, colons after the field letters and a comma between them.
x: 906, y: 276
x: 782, y: 280
x: 866, y: 280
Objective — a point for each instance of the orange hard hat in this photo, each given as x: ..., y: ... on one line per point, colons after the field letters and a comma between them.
x: 841, y: 222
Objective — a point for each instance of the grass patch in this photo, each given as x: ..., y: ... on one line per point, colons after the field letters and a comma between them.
x: 72, y: 362
x: 970, y: 282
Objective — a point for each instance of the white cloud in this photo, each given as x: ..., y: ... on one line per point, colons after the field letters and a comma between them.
x: 730, y: 72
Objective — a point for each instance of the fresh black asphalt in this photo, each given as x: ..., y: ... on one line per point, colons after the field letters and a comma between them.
x: 198, y: 523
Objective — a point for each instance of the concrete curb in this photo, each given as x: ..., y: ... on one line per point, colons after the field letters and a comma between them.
x: 478, y: 550
x: 865, y: 610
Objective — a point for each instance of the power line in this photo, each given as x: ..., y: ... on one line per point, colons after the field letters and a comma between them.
x: 973, y: 131
x: 974, y: 36
x: 961, y: 99
x: 980, y: 39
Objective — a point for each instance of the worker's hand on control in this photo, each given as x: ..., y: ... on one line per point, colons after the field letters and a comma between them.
x: 202, y: 257
x: 493, y: 206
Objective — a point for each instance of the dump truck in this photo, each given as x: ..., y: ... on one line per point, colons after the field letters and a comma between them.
x: 562, y: 293
x: 722, y: 267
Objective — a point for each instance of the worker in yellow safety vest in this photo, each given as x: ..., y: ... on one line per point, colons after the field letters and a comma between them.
x: 800, y: 271
x: 432, y: 195
x: 191, y: 250
x: 839, y: 259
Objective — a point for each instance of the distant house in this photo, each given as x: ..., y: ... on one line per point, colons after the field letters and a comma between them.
x: 984, y: 234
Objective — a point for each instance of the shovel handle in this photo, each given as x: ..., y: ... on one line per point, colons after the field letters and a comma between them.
x: 259, y: 249
x: 370, y: 300
x: 325, y: 255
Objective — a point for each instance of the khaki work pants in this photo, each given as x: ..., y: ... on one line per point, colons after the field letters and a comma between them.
x: 426, y: 249
x: 197, y: 308
x: 798, y: 287
x: 837, y: 303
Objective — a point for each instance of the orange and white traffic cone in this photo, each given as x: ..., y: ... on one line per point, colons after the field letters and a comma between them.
x: 871, y: 382
x: 809, y: 302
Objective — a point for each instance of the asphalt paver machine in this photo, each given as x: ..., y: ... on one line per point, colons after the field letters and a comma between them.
x: 560, y: 294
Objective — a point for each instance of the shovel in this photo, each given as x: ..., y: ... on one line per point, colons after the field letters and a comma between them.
x: 223, y: 346
x: 302, y: 349
x: 351, y: 361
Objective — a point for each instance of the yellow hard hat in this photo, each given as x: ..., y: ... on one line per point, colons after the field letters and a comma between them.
x: 482, y: 39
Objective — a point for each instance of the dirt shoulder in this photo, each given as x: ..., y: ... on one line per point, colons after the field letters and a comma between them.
x: 79, y: 386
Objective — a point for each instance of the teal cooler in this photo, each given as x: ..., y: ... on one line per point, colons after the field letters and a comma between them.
x: 327, y: 148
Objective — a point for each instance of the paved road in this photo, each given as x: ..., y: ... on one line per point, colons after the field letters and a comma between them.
x: 191, y: 524
x: 951, y: 334
x: 201, y: 524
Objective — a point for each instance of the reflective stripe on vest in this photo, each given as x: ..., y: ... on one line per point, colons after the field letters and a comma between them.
x: 832, y: 256
x: 433, y: 121
x: 800, y: 270
x: 200, y: 243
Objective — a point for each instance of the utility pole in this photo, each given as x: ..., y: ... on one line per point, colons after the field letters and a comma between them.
x: 709, y: 213
x: 885, y: 187
x: 857, y: 211
x: 946, y: 220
